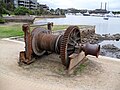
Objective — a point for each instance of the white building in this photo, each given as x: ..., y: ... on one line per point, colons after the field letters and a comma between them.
x: 30, y: 4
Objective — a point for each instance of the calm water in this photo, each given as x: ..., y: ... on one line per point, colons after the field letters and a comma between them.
x: 111, y: 26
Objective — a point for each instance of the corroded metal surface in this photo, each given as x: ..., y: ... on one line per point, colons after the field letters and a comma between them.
x: 49, y: 26
x: 26, y: 56
x: 40, y: 40
x: 70, y: 39
x: 91, y: 49
x: 35, y: 33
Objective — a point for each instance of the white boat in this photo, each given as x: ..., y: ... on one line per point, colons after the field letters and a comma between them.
x: 109, y: 14
x: 79, y: 14
x: 105, y: 18
x: 86, y: 14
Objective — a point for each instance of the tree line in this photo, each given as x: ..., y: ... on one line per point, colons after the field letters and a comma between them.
x: 8, y: 8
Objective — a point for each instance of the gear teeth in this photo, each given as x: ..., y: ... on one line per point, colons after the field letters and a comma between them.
x: 63, y: 47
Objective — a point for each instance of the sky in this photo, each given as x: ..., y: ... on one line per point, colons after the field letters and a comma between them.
x: 112, y: 5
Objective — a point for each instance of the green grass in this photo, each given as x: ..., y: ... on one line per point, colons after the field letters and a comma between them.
x: 56, y: 27
x: 16, y: 30
x: 2, y: 20
x: 60, y: 27
x: 79, y: 69
x: 10, y: 31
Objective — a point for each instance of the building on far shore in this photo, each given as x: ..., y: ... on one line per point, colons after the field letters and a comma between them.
x: 30, y: 4
x: 101, y: 10
x: 43, y: 6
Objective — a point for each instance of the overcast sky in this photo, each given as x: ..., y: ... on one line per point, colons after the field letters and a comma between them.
x: 82, y: 4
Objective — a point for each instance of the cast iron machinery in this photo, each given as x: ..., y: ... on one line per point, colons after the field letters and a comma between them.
x: 68, y: 46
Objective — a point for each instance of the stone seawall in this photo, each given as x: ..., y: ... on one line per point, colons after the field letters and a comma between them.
x: 51, y: 16
x: 29, y: 19
x: 26, y: 19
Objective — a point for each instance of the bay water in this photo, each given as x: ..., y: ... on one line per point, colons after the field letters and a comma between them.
x: 110, y: 26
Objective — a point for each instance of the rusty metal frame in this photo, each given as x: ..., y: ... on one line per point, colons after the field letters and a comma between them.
x: 26, y: 56
x: 53, y: 42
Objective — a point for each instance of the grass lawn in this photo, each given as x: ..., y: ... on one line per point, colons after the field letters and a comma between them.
x: 10, y: 31
x: 60, y: 27
x: 16, y: 30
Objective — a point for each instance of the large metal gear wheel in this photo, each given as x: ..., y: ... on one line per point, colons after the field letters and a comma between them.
x: 70, y: 40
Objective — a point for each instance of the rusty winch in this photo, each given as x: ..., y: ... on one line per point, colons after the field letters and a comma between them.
x: 39, y: 41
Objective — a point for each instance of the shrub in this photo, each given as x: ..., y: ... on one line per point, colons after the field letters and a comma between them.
x: 5, y: 11
x: 2, y: 20
x: 21, y: 11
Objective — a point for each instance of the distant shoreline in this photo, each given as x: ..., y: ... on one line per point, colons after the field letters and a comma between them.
x: 30, y: 19
x: 51, y: 16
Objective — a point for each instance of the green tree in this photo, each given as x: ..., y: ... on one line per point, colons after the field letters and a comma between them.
x: 41, y: 11
x: 0, y: 8
x: 62, y: 12
x: 10, y: 6
x: 59, y: 11
x: 52, y: 11
x: 1, y: 11
x: 116, y: 12
x: 21, y: 11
